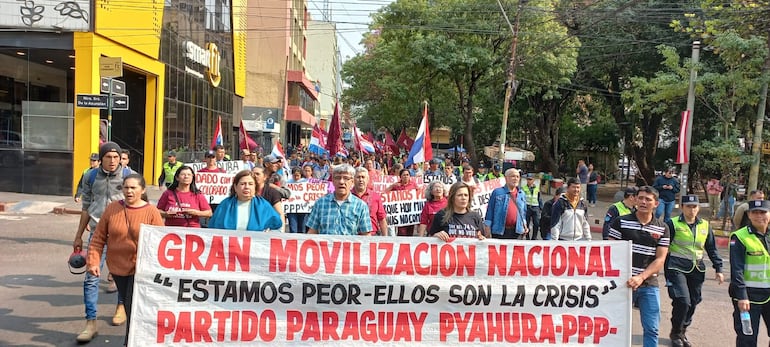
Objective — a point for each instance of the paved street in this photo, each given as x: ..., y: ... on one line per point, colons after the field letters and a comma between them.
x: 42, y: 301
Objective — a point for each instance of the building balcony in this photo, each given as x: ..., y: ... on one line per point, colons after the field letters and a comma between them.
x: 298, y: 114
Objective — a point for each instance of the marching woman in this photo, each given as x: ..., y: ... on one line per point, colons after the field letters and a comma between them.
x: 404, y: 183
x: 435, y: 201
x: 243, y: 210
x: 457, y: 220
x: 118, y: 229
x: 182, y: 204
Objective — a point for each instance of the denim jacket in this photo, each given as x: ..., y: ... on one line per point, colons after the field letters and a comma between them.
x: 498, y: 208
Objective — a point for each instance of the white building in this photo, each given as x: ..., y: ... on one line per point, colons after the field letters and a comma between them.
x: 322, y: 62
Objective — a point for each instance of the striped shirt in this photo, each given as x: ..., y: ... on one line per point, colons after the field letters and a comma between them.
x: 645, y: 239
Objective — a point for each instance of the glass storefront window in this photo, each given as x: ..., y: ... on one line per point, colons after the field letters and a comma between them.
x: 36, y: 120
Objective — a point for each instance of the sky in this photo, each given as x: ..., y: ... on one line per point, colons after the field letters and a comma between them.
x: 352, y: 18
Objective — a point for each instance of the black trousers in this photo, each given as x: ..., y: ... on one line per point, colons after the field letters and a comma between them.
x: 125, y: 286
x: 684, y: 289
x: 756, y: 311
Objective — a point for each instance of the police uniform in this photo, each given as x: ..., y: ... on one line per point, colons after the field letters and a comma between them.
x: 685, y: 270
x: 167, y: 175
x: 533, y: 206
x: 616, y: 210
x: 750, y: 275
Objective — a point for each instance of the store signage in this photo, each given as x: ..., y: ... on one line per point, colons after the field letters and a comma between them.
x: 208, y: 57
x: 111, y: 66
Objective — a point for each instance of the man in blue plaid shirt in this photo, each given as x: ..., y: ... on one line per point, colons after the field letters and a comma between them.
x: 340, y: 213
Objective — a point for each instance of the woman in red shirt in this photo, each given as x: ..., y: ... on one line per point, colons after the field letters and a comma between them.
x: 434, y: 201
x: 182, y: 204
x: 405, y: 183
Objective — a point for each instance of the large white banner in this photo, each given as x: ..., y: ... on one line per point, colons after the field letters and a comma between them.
x: 229, y: 288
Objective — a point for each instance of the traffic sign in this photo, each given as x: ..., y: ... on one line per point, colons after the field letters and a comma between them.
x: 101, y: 101
x: 111, y: 66
x: 120, y: 102
x: 118, y: 87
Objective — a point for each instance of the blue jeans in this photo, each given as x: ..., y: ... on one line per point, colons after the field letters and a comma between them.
x: 297, y: 222
x: 664, y: 209
x: 648, y: 301
x: 730, y: 208
x: 91, y: 285
x: 592, y: 188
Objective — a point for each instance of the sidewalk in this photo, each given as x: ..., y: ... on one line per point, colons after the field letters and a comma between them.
x: 20, y: 203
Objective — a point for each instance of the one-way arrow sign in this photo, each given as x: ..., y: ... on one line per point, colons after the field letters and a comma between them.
x: 120, y: 102
x: 118, y: 87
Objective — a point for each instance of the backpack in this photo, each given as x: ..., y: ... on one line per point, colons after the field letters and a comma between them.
x: 93, y: 172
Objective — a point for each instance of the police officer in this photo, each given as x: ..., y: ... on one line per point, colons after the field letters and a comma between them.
x: 496, y: 173
x: 481, y: 173
x: 534, y: 203
x: 620, y: 208
x: 169, y: 169
x: 750, y: 272
x: 684, y: 268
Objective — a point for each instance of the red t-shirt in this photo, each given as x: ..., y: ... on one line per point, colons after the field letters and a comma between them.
x: 376, y: 209
x: 429, y: 211
x: 218, y: 169
x: 186, y: 200
x: 513, y: 212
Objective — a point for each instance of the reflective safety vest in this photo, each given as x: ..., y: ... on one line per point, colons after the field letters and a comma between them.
x: 622, y: 209
x: 169, y: 171
x: 756, y: 272
x: 532, y: 195
x: 686, y: 245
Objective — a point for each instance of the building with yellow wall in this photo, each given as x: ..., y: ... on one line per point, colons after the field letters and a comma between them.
x: 183, y: 67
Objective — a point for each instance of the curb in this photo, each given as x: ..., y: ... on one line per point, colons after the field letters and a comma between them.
x: 64, y: 210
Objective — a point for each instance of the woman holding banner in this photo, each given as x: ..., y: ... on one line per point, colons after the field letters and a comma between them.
x: 118, y: 230
x: 182, y: 204
x: 435, y: 201
x: 404, y: 183
x: 243, y: 209
x: 296, y: 221
x: 457, y: 220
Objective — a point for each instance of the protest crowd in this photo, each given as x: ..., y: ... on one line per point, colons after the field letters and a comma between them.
x: 387, y: 194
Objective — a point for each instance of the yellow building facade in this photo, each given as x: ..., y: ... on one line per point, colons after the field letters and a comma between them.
x: 183, y: 71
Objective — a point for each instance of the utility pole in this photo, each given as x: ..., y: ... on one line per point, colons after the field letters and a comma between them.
x: 510, y: 83
x: 756, y: 146
x: 691, y: 109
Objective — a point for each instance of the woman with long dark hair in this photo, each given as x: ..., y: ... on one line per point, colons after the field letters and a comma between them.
x: 118, y: 230
x: 183, y: 204
x: 457, y: 220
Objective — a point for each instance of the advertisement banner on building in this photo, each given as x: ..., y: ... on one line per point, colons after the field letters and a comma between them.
x: 244, y: 288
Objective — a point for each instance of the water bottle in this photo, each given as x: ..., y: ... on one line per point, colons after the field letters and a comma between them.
x: 746, y: 323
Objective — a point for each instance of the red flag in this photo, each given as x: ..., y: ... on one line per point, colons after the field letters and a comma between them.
x: 404, y: 141
x: 245, y: 141
x: 334, y: 142
x: 390, y: 145
x: 683, y: 153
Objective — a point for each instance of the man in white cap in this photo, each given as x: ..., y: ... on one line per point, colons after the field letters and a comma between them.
x: 685, y: 271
